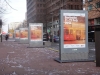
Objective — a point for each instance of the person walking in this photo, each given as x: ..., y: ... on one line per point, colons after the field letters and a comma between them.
x: 47, y: 36
x: 6, y: 37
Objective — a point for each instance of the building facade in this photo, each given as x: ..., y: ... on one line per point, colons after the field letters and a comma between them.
x: 25, y: 24
x: 93, y: 7
x: 47, y: 11
x: 14, y: 25
x: 36, y: 11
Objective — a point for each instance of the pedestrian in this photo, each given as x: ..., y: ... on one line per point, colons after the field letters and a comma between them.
x: 6, y: 37
x: 47, y: 36
x: 50, y: 38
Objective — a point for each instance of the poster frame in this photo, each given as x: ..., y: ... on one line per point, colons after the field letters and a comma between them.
x: 35, y: 44
x: 72, y: 54
x: 23, y: 40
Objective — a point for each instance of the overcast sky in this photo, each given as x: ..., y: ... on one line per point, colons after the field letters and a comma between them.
x: 17, y: 15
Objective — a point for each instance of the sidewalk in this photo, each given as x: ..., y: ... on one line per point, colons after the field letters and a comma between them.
x: 17, y: 59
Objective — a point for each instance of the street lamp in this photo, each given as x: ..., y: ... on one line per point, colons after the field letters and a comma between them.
x: 1, y: 29
x: 52, y: 27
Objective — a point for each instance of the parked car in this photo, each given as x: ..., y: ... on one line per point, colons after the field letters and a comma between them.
x: 55, y: 38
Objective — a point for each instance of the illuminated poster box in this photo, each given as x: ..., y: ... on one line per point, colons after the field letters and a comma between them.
x: 73, y: 45
x: 24, y: 35
x: 35, y: 34
x: 74, y: 30
x: 17, y: 34
x: 10, y: 35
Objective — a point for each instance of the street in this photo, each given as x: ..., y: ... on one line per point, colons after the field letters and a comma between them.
x: 17, y: 59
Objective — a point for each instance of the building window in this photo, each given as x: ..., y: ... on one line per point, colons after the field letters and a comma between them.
x: 98, y: 5
x: 70, y: 6
x: 98, y: 20
x: 41, y: 0
x: 90, y: 7
x: 76, y: 0
x: 90, y: 0
x: 77, y: 7
x: 81, y: 6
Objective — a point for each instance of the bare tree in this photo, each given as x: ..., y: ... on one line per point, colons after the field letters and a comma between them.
x: 4, y: 9
x: 2, y: 12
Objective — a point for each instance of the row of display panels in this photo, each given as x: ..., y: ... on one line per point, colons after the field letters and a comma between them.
x: 73, y: 28
x: 35, y: 31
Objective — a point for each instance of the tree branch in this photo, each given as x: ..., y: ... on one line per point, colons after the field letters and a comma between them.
x: 10, y: 5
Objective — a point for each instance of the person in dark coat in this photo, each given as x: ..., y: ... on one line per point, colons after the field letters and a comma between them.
x: 6, y: 37
x: 47, y: 36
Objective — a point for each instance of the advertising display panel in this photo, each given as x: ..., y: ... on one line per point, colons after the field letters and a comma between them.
x: 10, y: 35
x: 23, y: 35
x: 73, y: 35
x: 74, y: 30
x: 36, y: 34
x: 17, y: 35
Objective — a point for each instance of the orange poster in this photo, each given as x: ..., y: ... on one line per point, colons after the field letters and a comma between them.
x: 24, y: 33
x: 10, y: 35
x: 74, y: 30
x: 36, y: 32
x: 17, y: 34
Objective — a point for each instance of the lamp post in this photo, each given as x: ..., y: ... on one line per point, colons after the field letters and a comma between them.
x: 52, y: 28
x: 1, y: 29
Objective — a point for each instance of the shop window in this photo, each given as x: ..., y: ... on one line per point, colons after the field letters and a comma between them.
x: 98, y: 20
